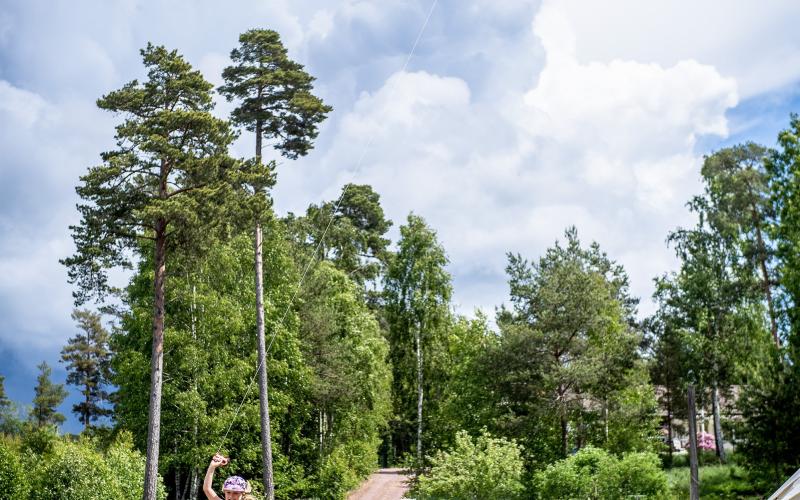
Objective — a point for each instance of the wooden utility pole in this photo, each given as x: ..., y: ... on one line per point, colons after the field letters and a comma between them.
x: 694, y: 479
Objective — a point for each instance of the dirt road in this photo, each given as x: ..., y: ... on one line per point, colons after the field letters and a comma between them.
x: 386, y: 484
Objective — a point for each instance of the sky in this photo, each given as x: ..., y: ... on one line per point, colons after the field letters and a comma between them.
x: 512, y: 121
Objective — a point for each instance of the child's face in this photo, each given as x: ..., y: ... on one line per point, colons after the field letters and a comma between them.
x: 233, y: 495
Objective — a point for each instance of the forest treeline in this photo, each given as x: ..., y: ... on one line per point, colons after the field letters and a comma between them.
x: 566, y: 392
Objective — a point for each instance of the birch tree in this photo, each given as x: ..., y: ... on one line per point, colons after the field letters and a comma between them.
x: 418, y: 290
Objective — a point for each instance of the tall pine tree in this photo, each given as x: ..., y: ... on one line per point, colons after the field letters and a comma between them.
x: 276, y: 103
x: 157, y: 193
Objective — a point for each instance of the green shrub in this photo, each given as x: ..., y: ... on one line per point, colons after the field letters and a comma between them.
x: 12, y: 474
x: 719, y: 481
x: 575, y: 477
x: 75, y: 471
x: 595, y: 474
x: 38, y: 440
x: 127, y: 466
x: 485, y: 467
x: 634, y: 474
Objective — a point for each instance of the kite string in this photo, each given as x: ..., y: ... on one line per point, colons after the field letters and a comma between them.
x: 313, y: 257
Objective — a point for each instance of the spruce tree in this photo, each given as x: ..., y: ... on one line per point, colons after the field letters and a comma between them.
x: 276, y: 103
x: 48, y: 396
x: 88, y: 358
x: 159, y: 192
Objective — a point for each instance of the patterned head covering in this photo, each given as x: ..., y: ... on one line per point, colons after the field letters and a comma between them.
x: 235, y: 483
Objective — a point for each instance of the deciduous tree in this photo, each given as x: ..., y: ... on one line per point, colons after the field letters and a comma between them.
x: 417, y: 290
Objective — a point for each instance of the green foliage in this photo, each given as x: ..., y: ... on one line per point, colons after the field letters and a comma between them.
x: 77, y: 470
x: 13, y: 480
x: 567, y: 365
x: 784, y: 184
x: 211, y: 361
x: 769, y: 407
x: 462, y: 401
x: 48, y: 396
x: 718, y: 481
x: 595, y: 474
x: 10, y: 423
x: 274, y: 93
x: 127, y: 465
x: 169, y: 173
x: 346, y: 352
x: 327, y: 361
x: 354, y: 231
x: 737, y: 206
x: 88, y: 361
x: 417, y: 291
x: 484, y: 467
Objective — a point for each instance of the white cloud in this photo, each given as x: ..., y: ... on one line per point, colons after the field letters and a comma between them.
x: 755, y: 43
x: 500, y: 134
x: 20, y: 106
x: 606, y: 146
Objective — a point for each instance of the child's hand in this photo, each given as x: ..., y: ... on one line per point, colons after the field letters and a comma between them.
x: 218, y: 461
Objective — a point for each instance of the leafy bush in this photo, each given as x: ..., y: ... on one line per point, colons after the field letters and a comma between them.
x: 75, y: 471
x: 718, y: 481
x: 485, y: 467
x: 38, y: 440
x: 595, y: 474
x: 12, y: 475
x: 79, y: 472
x: 128, y: 465
x: 634, y: 474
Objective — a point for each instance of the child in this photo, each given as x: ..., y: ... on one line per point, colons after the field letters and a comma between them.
x: 234, y: 487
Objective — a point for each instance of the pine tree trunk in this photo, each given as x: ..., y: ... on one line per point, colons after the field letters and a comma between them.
x: 156, y: 365
x: 266, y: 437
x: 419, y: 397
x: 718, y: 426
x: 694, y: 480
x: 564, y: 443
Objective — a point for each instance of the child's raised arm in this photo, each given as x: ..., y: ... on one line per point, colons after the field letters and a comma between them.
x: 217, y: 461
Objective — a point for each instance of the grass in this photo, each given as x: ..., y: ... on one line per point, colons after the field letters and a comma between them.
x: 716, y: 481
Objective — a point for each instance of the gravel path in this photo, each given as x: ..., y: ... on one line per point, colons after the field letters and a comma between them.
x: 385, y: 484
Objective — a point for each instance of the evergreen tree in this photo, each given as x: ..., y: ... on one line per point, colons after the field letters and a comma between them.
x: 88, y: 360
x: 9, y: 422
x: 48, y: 396
x: 276, y: 103
x: 769, y: 403
x: 567, y: 367
x: 737, y: 206
x: 355, y: 239
x: 158, y: 194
